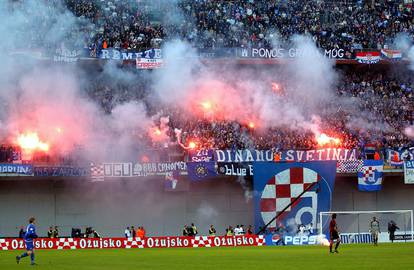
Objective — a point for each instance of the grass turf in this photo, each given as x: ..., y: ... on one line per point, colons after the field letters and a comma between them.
x: 360, y: 256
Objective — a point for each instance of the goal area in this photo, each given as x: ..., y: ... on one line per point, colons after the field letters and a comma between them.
x: 354, y: 226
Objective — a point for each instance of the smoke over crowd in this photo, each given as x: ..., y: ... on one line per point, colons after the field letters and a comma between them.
x: 50, y: 100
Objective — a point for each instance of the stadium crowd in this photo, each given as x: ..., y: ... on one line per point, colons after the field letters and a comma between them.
x: 349, y: 25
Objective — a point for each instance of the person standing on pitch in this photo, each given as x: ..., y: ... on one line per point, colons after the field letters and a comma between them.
x: 392, y: 227
x: 28, y: 240
x: 334, y: 234
x: 374, y: 228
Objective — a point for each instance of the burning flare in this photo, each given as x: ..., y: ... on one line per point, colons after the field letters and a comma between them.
x: 192, y: 145
x: 206, y: 105
x: 30, y: 141
x: 324, y: 139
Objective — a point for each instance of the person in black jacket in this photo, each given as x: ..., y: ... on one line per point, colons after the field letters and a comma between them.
x: 185, y: 230
x: 21, y: 232
x: 50, y: 232
x: 392, y: 227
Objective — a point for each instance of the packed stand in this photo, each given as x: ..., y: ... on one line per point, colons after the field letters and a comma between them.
x: 349, y: 25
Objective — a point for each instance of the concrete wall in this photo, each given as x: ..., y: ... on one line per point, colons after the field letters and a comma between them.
x: 111, y: 205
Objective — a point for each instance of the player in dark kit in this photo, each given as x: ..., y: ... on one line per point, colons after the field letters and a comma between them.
x: 28, y: 240
x: 334, y: 234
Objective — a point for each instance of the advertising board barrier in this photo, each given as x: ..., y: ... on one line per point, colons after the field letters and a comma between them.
x: 137, y: 242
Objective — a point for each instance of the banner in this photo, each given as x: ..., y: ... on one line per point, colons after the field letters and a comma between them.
x: 142, y: 169
x: 201, y: 170
x: 124, y: 55
x: 146, y: 63
x: 368, y: 57
x: 287, y: 155
x: 16, y: 170
x: 280, y: 238
x: 280, y: 53
x: 370, y: 175
x: 61, y: 171
x: 235, y: 169
x: 349, y: 166
x: 391, y: 54
x: 356, y: 238
x: 63, y: 54
x: 277, y: 185
x: 128, y: 243
x: 206, y: 53
x: 396, y: 157
x: 409, y: 172
x: 201, y: 155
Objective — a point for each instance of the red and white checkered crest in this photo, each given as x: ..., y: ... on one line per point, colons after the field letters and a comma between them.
x: 4, y: 245
x: 136, y: 242
x: 66, y: 243
x: 282, y: 189
x: 260, y: 240
x: 201, y: 241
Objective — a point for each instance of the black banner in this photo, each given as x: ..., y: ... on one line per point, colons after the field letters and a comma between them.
x: 235, y: 169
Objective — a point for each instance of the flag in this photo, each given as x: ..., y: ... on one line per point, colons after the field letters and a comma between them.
x: 171, y: 180
x: 97, y: 172
x: 391, y: 54
x: 349, y: 166
x: 281, y: 186
x: 368, y: 57
x: 201, y: 170
x: 370, y: 175
x: 409, y: 172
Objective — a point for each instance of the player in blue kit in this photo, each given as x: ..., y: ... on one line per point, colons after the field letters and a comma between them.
x: 28, y: 240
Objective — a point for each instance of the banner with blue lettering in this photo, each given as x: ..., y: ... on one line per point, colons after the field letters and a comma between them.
x: 277, y: 185
x: 251, y: 155
x: 61, y: 171
x: 198, y: 171
x: 370, y: 175
x: 16, y: 170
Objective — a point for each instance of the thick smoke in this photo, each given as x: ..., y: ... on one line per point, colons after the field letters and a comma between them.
x: 47, y: 98
x: 403, y: 42
x: 227, y: 93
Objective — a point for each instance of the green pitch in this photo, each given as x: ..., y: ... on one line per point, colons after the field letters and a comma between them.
x: 385, y: 256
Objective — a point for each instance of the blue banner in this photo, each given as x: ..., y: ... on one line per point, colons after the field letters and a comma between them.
x: 16, y: 170
x: 277, y: 185
x: 198, y: 171
x: 370, y: 175
x: 61, y: 171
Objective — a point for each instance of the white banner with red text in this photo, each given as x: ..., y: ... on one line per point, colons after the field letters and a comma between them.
x: 128, y: 243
